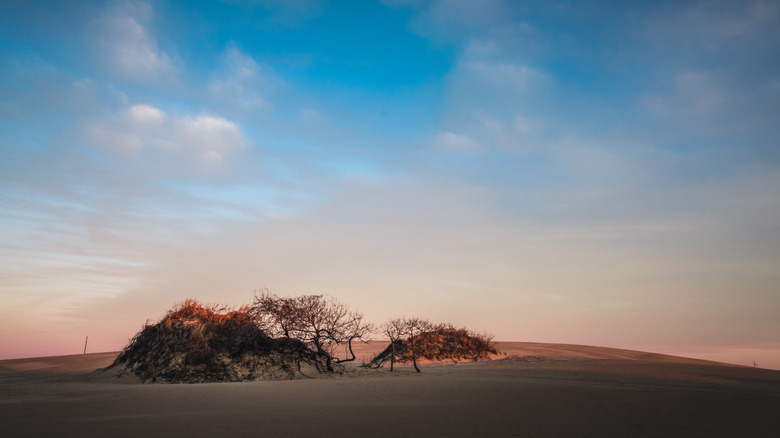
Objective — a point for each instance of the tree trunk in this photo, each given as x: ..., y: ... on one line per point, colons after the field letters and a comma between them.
x: 352, y: 353
x: 392, y: 356
x: 414, y: 358
x: 321, y: 351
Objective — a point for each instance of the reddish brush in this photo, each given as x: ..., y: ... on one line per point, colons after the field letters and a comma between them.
x: 206, y: 343
x: 446, y: 342
x: 191, y: 311
x: 440, y: 343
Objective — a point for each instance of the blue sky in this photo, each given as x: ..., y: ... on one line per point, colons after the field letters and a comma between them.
x: 602, y: 173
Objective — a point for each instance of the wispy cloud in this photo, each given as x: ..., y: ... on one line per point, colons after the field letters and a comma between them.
x: 242, y: 82
x: 448, y: 20
x: 285, y: 13
x: 129, y: 49
x: 745, y: 26
x: 451, y: 142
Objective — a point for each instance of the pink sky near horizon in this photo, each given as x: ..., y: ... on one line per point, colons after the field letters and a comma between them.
x: 112, y: 332
x: 545, y: 284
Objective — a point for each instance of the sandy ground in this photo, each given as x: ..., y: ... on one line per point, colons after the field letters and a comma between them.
x: 538, y: 390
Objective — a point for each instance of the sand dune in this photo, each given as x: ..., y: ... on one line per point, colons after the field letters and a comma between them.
x: 536, y: 390
x: 73, y: 364
x: 85, y: 363
x: 571, y: 351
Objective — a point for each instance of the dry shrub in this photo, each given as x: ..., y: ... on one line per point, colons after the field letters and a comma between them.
x: 446, y: 342
x: 207, y: 343
x: 443, y: 342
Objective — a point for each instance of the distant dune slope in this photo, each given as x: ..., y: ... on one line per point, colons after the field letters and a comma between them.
x: 571, y: 351
x: 72, y: 364
x: 365, y: 352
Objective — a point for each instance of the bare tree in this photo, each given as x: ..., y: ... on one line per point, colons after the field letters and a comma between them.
x: 411, y: 338
x: 415, y: 326
x: 320, y: 321
x: 353, y: 329
x: 277, y: 316
x: 394, y: 329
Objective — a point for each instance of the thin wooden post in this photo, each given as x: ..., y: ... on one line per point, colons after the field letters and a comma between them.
x: 85, y: 344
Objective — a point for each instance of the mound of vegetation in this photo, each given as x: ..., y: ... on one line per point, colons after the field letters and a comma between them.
x: 441, y: 342
x: 277, y: 338
x: 198, y: 343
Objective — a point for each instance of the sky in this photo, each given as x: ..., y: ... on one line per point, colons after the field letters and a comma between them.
x: 601, y: 173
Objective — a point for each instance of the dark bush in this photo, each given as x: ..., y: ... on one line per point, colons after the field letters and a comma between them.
x: 203, y: 343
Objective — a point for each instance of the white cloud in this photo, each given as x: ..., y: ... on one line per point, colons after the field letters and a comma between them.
x: 712, y: 26
x: 129, y: 49
x: 451, y: 13
x: 525, y: 125
x: 477, y: 47
x: 451, y: 142
x: 242, y: 81
x: 212, y: 157
x: 693, y: 95
x: 146, y: 114
x: 143, y: 130
x: 701, y: 90
x: 492, y: 128
x: 486, y: 92
x: 115, y: 140
x: 285, y: 13
x: 207, y: 134
x: 310, y: 114
x: 449, y: 19
x: 502, y: 74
